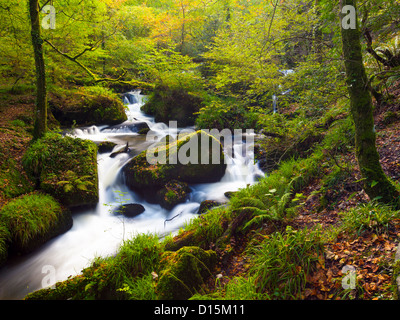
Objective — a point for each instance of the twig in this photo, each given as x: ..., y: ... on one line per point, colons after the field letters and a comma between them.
x: 171, y: 219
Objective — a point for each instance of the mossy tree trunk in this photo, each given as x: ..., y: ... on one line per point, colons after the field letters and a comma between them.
x: 40, y: 126
x: 376, y: 184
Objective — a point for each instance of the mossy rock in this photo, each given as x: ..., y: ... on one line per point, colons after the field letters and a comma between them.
x: 173, y: 104
x: 87, y: 107
x: 130, y: 210
x: 183, y: 272
x: 206, y: 205
x: 32, y: 220
x: 173, y: 193
x: 65, y: 168
x: 106, y: 146
x: 152, y: 168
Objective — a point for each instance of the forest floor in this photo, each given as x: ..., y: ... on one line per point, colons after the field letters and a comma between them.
x: 16, y: 121
x: 370, y: 254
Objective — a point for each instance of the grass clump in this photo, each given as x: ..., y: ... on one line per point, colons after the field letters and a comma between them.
x: 239, y: 288
x: 136, y: 259
x: 209, y: 227
x: 4, y: 239
x: 369, y: 217
x: 281, y: 263
x: 33, y: 219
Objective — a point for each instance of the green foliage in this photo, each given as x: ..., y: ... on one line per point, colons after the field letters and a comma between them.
x: 168, y: 68
x: 13, y: 182
x: 65, y: 168
x: 142, y: 288
x: 136, y: 258
x: 225, y: 114
x: 184, y: 271
x: 238, y: 288
x: 117, y: 277
x: 209, y: 227
x: 370, y: 217
x: 75, y: 182
x: 30, y: 217
x: 282, y: 262
x: 5, y: 237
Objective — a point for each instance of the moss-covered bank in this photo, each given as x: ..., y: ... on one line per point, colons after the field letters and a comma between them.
x: 30, y: 220
x: 183, y: 272
x: 65, y: 168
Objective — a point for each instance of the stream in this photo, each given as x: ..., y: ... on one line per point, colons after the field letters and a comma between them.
x: 98, y: 232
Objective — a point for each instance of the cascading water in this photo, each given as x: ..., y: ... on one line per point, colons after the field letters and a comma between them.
x: 98, y: 232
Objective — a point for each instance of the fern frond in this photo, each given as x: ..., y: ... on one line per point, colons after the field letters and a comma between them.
x: 252, y: 202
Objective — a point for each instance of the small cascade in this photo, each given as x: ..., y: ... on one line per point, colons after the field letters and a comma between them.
x: 98, y: 232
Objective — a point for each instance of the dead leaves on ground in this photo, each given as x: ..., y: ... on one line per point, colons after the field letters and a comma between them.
x: 370, y: 256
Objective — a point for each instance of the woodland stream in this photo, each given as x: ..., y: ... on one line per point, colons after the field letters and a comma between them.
x: 98, y: 232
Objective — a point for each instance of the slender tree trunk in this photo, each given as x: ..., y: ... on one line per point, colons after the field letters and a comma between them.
x: 183, y: 31
x: 376, y: 184
x: 40, y: 126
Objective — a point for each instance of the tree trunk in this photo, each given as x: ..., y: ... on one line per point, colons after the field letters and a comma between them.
x: 40, y: 126
x: 376, y: 184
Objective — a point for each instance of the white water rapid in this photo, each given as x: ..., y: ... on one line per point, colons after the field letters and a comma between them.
x: 97, y: 232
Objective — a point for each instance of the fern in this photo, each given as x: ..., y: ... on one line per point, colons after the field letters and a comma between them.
x: 75, y: 182
x: 252, y: 202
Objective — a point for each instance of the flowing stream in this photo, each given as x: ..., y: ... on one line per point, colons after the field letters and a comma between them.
x: 98, y: 232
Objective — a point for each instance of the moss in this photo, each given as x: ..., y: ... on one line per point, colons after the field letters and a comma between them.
x: 33, y: 219
x: 64, y: 167
x: 146, y: 169
x: 87, y: 106
x: 106, y: 146
x: 62, y: 291
x: 173, y: 193
x: 13, y: 179
x: 183, y: 272
x: 13, y: 182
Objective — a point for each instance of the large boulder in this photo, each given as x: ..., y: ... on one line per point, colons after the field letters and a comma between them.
x: 183, y: 272
x: 194, y: 158
x: 207, y: 205
x: 86, y: 107
x: 174, y: 192
x: 65, y: 168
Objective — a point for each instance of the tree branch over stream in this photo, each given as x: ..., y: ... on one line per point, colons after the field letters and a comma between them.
x: 96, y: 79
